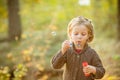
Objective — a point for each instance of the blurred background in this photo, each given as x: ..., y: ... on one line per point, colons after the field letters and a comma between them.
x: 31, y: 32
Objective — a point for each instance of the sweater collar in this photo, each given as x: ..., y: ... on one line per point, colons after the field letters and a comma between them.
x: 80, y: 51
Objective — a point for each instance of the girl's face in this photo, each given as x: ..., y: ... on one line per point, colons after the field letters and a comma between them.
x: 79, y: 36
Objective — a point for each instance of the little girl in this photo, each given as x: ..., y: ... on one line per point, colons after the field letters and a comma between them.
x: 81, y: 61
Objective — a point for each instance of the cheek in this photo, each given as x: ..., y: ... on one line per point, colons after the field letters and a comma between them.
x: 86, y: 37
x: 72, y: 35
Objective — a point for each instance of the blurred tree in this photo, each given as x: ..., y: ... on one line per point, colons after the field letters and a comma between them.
x: 14, y: 29
x: 118, y: 19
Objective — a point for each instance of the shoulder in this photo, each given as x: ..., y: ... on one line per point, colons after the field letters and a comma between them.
x: 93, y: 55
x: 91, y: 51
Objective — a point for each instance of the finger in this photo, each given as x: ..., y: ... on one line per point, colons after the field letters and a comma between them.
x: 67, y: 41
x: 86, y: 70
x: 66, y: 44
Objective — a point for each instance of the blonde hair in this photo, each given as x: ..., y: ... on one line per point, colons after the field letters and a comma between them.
x: 81, y: 21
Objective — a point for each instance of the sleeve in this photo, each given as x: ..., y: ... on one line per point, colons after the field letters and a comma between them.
x: 100, y: 71
x: 58, y: 60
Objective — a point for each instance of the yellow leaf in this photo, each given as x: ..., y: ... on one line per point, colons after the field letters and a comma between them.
x: 41, y: 68
x: 25, y: 52
x: 112, y: 78
x: 9, y: 55
x: 45, y: 77
x: 24, y: 36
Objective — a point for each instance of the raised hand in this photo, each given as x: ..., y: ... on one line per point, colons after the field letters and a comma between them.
x: 65, y: 46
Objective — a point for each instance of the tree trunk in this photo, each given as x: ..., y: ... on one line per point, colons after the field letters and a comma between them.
x: 14, y: 29
x: 118, y: 20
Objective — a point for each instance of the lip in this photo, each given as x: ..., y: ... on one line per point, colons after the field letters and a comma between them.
x: 78, y: 42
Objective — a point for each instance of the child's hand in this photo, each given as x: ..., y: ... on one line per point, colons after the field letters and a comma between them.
x: 65, y: 46
x: 89, y: 69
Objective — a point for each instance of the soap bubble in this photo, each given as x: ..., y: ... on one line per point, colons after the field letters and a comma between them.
x: 53, y: 33
x: 78, y: 45
x: 71, y: 44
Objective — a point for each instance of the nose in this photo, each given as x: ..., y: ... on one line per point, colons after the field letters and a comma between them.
x: 79, y: 36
